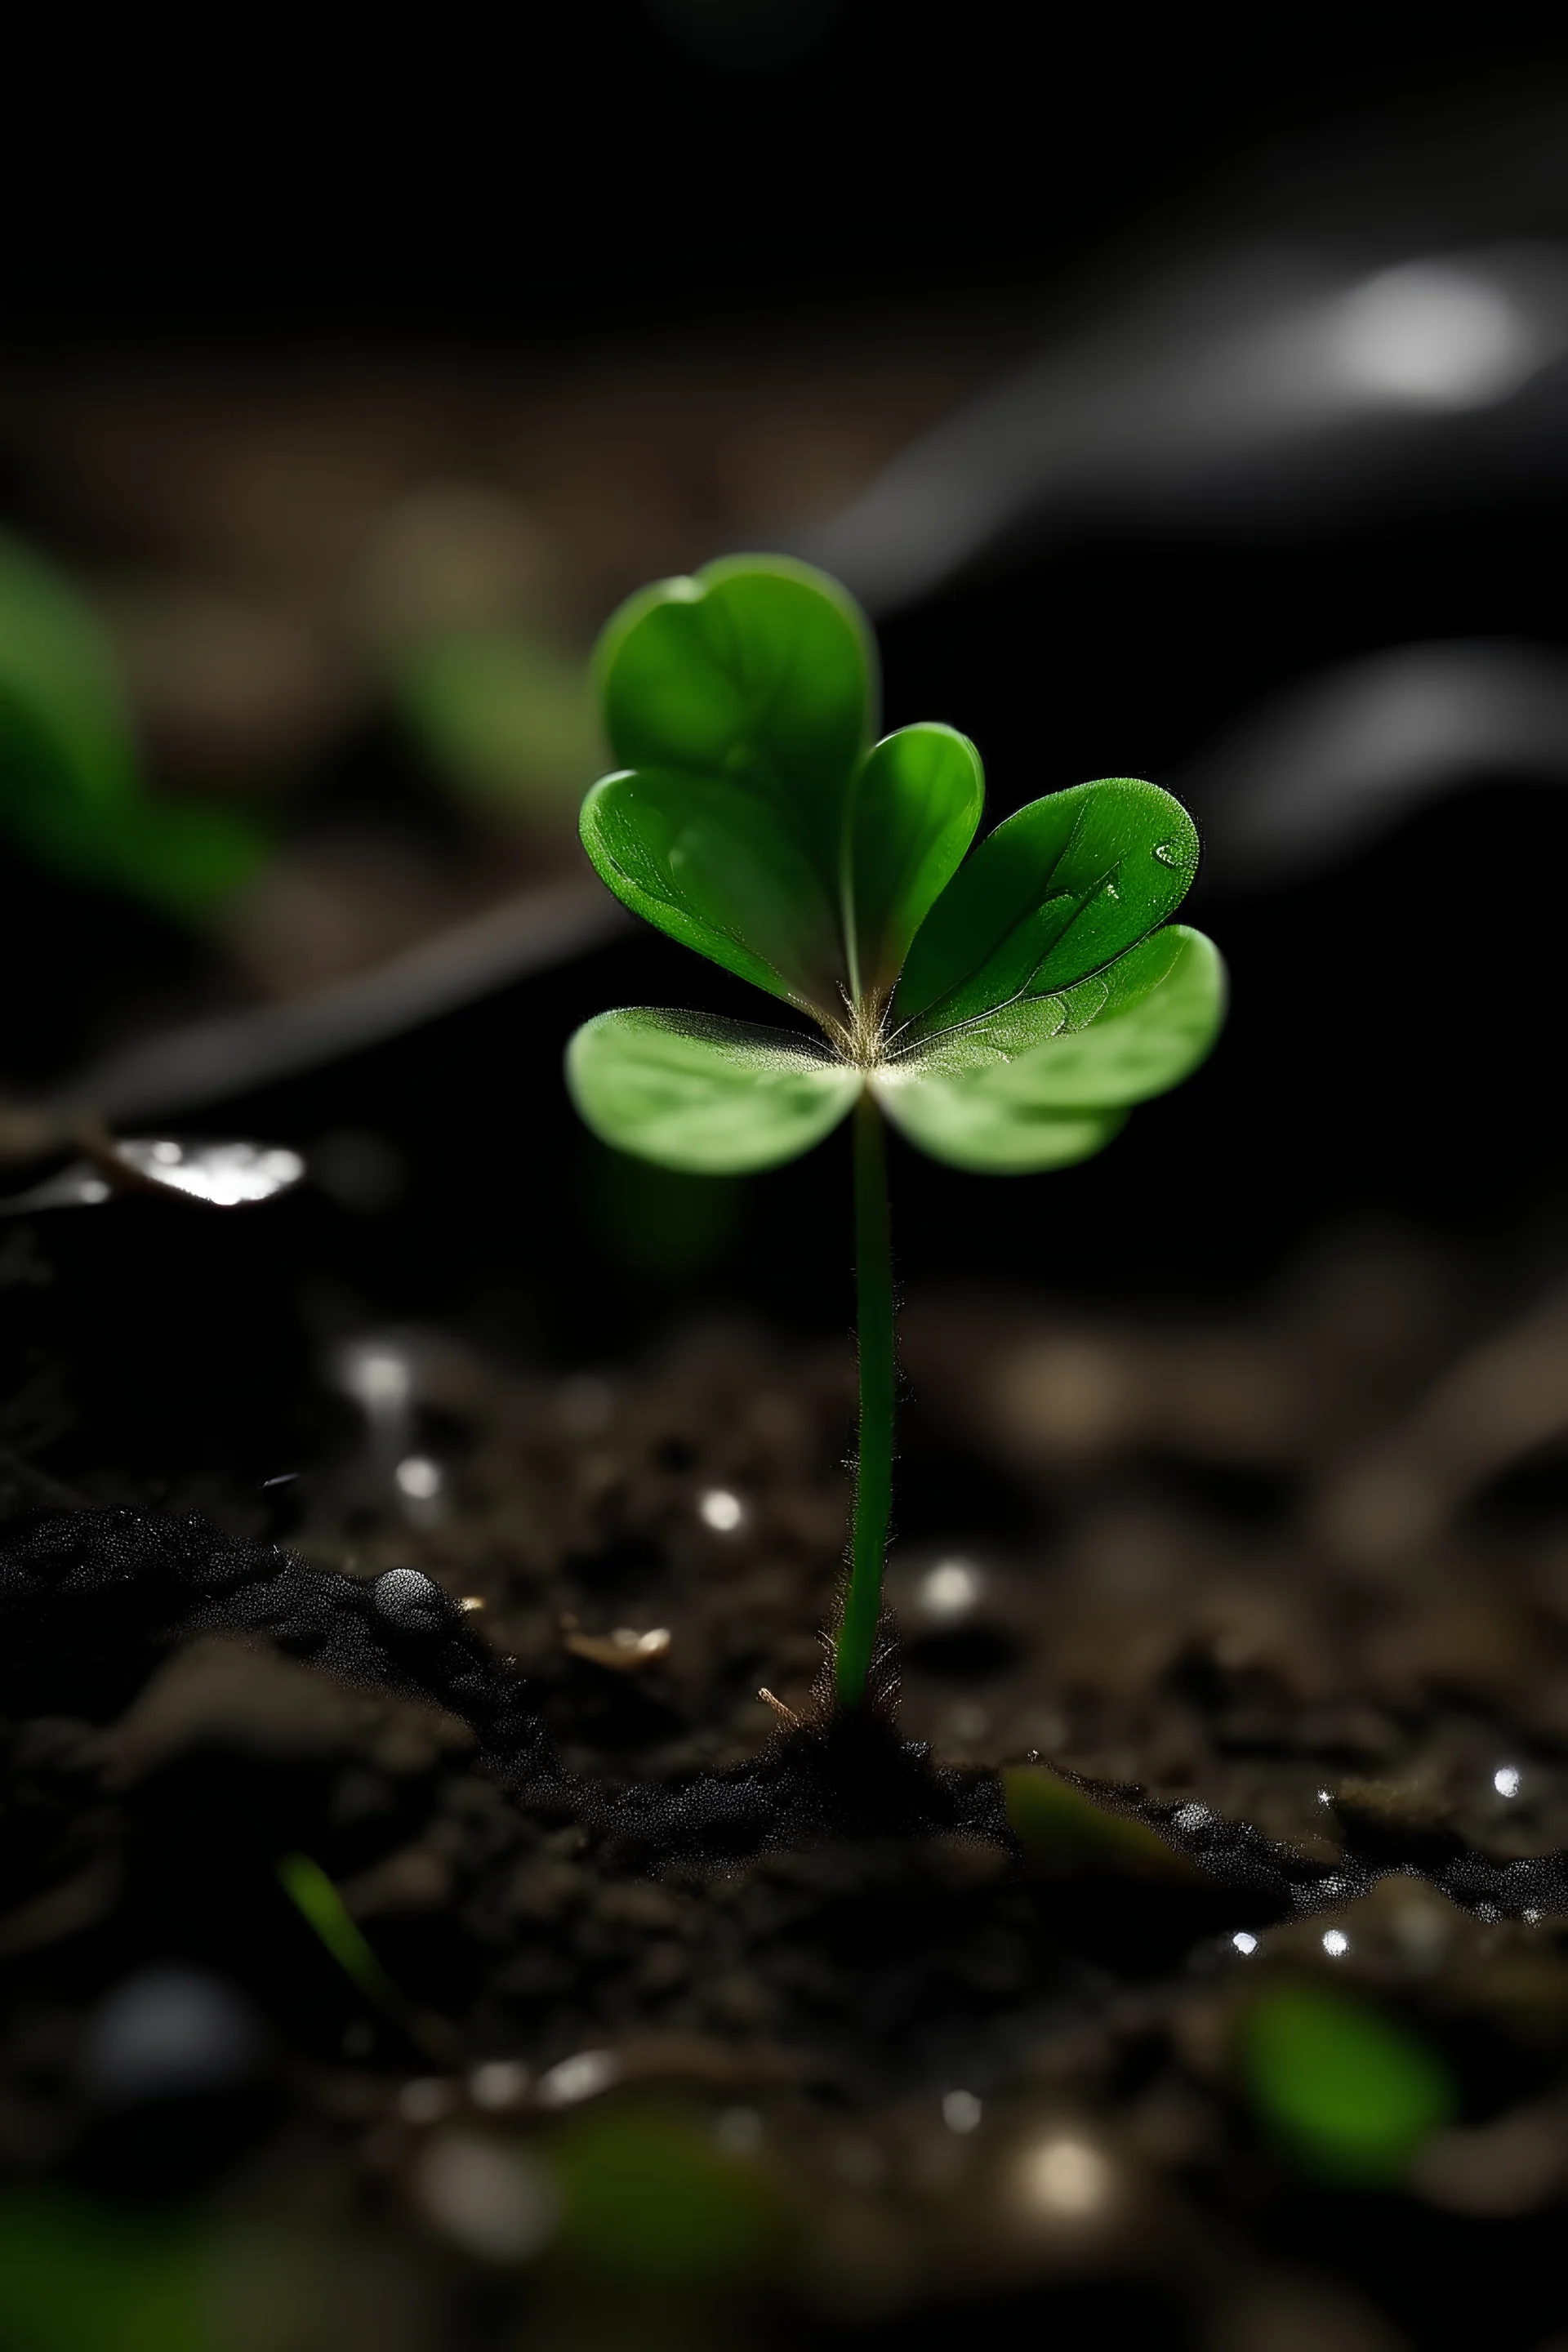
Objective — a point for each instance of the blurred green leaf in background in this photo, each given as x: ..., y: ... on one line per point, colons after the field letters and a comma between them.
x: 78, y: 2277
x: 1065, y: 1834
x: 72, y: 791
x: 503, y: 714
x: 650, y: 2201
x: 1350, y: 2092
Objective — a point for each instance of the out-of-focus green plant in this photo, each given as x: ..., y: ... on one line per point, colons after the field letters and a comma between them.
x: 75, y: 2276
x: 649, y: 2202
x: 1349, y: 2092
x: 1003, y: 1009
x: 1063, y: 1833
x: 505, y: 716
x: 327, y: 1916
x: 71, y: 790
x: 78, y: 2275
x: 324, y: 1912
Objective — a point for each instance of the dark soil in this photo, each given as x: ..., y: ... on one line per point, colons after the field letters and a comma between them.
x: 697, y: 2029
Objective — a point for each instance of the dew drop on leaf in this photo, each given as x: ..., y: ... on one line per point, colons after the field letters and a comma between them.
x: 1170, y: 853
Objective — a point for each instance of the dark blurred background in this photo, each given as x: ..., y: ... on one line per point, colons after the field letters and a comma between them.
x: 1183, y: 401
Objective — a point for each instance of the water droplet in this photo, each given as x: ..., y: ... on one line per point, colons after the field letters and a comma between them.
x: 419, y: 1477
x: 1506, y: 1779
x: 1173, y: 853
x: 1245, y: 1944
x: 582, y: 2076
x: 499, y: 2082
x: 1111, y: 891
x: 378, y: 1374
x: 411, y: 1601
x: 948, y: 1592
x: 1067, y: 2177
x: 1336, y: 1943
x: 721, y: 1511
x: 225, y: 1175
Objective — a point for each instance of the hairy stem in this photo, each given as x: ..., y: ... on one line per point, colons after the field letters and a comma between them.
x: 874, y: 1478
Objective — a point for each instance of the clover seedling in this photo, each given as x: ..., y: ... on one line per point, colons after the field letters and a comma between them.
x: 1003, y: 1009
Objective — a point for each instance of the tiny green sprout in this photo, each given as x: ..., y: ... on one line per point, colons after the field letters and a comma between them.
x: 327, y: 1916
x: 1004, y: 1008
x: 323, y: 1908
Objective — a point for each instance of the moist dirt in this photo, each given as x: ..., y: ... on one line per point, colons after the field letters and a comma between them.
x: 885, y: 2050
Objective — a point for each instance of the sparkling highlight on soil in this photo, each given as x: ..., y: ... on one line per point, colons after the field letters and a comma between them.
x: 377, y: 1375
x: 949, y: 1591
x: 498, y: 2084
x: 225, y: 1175
x: 1067, y: 2177
x: 582, y: 2076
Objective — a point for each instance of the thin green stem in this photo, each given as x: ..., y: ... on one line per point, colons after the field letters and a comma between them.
x: 874, y: 1478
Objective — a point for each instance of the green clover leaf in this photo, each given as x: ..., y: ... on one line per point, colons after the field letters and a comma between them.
x: 1006, y: 1007
x: 708, y: 1097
